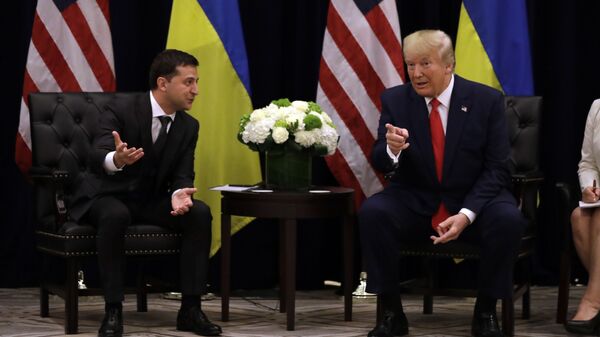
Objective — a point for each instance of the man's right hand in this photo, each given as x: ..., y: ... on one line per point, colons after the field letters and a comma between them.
x: 124, y: 155
x: 396, y: 138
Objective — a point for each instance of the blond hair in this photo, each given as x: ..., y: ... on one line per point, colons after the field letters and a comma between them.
x: 424, y: 41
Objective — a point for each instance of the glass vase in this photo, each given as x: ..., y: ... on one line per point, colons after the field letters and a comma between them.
x: 288, y: 170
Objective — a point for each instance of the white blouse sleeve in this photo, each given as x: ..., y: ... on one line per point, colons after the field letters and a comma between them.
x: 590, y: 151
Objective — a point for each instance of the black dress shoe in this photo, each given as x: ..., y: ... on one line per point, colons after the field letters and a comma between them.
x: 112, y: 324
x: 392, y: 324
x: 485, y: 324
x: 195, y: 320
x: 589, y: 327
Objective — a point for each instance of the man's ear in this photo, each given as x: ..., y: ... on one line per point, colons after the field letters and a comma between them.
x: 449, y: 68
x: 161, y: 83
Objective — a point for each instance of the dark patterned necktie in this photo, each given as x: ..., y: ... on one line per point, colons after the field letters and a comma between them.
x: 161, y: 140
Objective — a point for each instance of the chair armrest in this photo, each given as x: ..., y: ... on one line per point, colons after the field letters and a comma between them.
x: 55, y: 180
x: 527, y: 178
x: 566, y: 201
x: 525, y: 190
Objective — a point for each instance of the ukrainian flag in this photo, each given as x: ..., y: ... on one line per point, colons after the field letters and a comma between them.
x: 492, y: 45
x: 212, y: 32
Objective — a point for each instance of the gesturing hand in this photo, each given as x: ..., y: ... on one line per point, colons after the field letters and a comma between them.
x: 124, y: 155
x: 181, y: 201
x: 450, y: 228
x: 396, y: 138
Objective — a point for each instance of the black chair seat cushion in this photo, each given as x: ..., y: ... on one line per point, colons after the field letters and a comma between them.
x: 454, y: 249
x: 458, y: 249
x: 80, y: 240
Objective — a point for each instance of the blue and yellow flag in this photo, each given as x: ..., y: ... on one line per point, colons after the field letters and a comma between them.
x: 492, y: 45
x: 212, y: 32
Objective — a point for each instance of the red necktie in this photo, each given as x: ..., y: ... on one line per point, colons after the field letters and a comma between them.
x: 437, y: 140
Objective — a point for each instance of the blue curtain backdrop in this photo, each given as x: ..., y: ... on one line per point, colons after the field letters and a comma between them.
x: 283, y: 40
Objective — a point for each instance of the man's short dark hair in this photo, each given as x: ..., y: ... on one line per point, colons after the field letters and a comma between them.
x: 166, y: 62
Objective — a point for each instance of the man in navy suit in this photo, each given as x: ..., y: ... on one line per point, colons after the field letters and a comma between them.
x: 445, y: 140
x: 143, y: 170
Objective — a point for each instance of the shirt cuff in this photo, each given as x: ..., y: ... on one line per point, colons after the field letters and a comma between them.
x: 469, y: 214
x: 393, y: 157
x: 109, y: 163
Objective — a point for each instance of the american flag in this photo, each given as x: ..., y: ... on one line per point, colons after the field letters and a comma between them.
x: 362, y: 55
x: 70, y: 50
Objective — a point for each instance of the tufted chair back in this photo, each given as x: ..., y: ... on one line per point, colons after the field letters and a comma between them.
x: 63, y: 126
x: 523, y: 118
x: 62, y: 130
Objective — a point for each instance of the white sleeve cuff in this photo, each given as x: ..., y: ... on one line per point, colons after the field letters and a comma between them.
x: 469, y: 214
x: 109, y: 164
x: 393, y: 157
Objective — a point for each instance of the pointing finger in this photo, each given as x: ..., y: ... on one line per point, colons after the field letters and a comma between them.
x: 117, y: 138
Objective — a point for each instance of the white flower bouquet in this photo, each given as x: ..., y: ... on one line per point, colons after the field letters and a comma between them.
x: 289, y: 126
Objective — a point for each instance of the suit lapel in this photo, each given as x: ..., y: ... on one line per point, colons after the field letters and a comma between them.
x: 419, y: 131
x: 144, y: 117
x: 458, y: 113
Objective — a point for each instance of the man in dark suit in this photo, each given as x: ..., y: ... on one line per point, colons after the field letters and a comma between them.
x: 445, y: 140
x: 142, y: 164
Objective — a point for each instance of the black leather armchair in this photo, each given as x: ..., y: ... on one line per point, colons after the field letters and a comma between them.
x: 523, y: 115
x: 62, y: 128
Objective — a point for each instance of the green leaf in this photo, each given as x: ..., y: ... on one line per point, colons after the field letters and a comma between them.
x: 314, y: 107
x: 312, y: 122
x: 282, y: 102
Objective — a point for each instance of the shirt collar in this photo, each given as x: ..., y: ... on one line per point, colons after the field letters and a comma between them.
x: 157, y: 111
x: 444, y: 97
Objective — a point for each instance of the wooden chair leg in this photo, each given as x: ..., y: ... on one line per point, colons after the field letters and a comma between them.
x: 44, y: 300
x: 508, y: 317
x: 526, y: 304
x: 141, y: 290
x: 379, y: 310
x: 431, y: 277
x: 71, y: 300
x: 44, y: 306
x: 563, y: 288
x: 427, y: 304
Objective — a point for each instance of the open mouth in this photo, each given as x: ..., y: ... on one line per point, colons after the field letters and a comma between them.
x: 421, y: 85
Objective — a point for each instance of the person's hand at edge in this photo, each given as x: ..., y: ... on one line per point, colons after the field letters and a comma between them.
x: 181, y: 201
x: 124, y: 155
x: 396, y: 138
x: 450, y: 229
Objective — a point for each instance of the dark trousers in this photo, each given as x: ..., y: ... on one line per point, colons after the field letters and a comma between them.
x: 111, y: 216
x: 386, y: 223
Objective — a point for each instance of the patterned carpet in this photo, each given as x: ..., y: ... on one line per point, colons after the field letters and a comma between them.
x: 318, y: 314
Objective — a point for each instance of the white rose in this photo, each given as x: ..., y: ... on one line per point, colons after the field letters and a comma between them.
x: 300, y: 105
x: 296, y: 117
x: 325, y: 118
x: 257, y: 132
x: 305, y: 138
x: 329, y: 138
x: 280, y: 135
x: 257, y: 115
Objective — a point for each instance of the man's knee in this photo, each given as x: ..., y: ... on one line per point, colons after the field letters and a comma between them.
x: 371, y: 213
x: 114, y: 215
x: 507, y: 224
x: 199, y: 215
